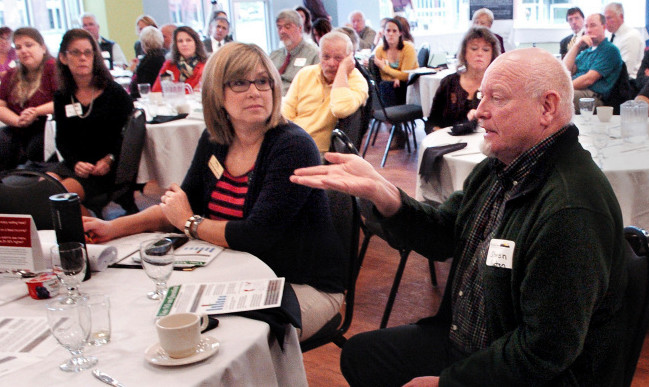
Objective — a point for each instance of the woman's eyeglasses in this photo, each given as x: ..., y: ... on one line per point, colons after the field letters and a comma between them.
x: 79, y: 53
x: 242, y: 85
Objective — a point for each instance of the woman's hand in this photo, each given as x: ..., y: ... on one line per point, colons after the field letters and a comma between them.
x: 471, y: 115
x: 83, y: 169
x: 175, y: 206
x: 379, y: 63
x: 396, y: 83
x: 102, y: 167
x: 26, y: 117
x: 98, y: 230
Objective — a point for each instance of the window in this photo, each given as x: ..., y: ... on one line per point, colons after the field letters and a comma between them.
x: 51, y: 17
x: 454, y: 14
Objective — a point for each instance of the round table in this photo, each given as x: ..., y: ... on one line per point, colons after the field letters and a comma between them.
x: 248, y: 353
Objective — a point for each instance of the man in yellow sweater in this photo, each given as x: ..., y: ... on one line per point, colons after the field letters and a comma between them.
x: 323, y: 93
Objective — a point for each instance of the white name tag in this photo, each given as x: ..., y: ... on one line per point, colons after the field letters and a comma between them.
x: 73, y: 109
x: 299, y: 62
x: 501, y: 253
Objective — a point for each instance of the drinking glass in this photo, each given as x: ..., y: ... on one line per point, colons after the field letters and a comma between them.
x: 158, y: 262
x: 586, y: 107
x: 600, y: 140
x: 144, y: 89
x: 69, y: 263
x: 70, y: 326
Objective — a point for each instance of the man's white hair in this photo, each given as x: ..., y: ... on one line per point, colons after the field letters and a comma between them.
x: 336, y: 35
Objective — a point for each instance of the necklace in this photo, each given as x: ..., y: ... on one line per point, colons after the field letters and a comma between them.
x: 92, y: 101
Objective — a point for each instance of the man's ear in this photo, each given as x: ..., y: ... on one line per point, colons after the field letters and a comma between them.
x: 550, y: 106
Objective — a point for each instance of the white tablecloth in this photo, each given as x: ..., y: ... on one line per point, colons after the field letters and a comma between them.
x: 168, y: 150
x: 423, y: 90
x: 248, y: 355
x: 626, y: 167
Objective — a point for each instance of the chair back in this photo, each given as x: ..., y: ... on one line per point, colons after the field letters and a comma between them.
x: 621, y: 91
x: 423, y: 55
x: 354, y: 126
x: 28, y: 192
x: 347, y: 222
x: 133, y: 136
x: 636, y: 298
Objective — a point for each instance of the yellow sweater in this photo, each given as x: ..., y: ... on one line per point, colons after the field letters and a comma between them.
x: 407, y: 61
x: 316, y: 107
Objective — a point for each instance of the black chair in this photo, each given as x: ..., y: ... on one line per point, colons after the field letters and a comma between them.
x: 423, y: 55
x: 636, y: 299
x: 371, y: 226
x: 346, y: 219
x: 133, y: 134
x: 400, y: 117
x: 354, y: 126
x: 621, y: 91
x: 28, y: 192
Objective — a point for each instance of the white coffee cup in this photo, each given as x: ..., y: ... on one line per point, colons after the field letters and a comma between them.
x: 604, y: 113
x: 180, y: 333
x: 184, y: 108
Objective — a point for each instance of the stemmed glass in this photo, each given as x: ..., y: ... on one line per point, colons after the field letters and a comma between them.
x: 70, y: 326
x: 69, y: 263
x: 600, y: 139
x: 586, y: 108
x: 158, y: 262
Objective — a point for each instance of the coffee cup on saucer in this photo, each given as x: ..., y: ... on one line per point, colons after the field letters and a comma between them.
x: 180, y: 333
x: 604, y: 113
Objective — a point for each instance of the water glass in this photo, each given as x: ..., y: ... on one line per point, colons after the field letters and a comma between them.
x: 600, y: 139
x: 586, y: 107
x: 99, y: 305
x: 158, y: 263
x: 144, y: 89
x: 70, y: 326
x: 69, y: 263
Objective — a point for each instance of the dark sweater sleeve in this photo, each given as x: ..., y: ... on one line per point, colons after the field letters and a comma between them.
x: 279, y: 202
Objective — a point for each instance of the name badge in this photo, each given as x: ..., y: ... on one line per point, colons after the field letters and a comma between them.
x: 73, y: 109
x: 501, y: 253
x: 215, y: 167
x: 299, y: 62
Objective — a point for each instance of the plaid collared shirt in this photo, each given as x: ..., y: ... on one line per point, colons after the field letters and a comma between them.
x: 468, y: 328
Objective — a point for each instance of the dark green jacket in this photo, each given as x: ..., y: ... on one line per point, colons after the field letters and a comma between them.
x: 555, y: 316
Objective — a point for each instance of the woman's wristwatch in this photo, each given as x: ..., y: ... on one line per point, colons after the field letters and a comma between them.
x: 191, y: 226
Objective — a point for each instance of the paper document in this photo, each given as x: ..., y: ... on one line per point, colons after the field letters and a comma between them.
x: 223, y: 297
x: 24, y: 341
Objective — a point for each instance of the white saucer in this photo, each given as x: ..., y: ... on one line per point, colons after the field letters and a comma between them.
x: 207, y: 347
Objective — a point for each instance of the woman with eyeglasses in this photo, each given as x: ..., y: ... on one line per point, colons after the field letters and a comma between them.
x: 26, y: 93
x: 237, y: 192
x: 187, y: 61
x: 90, y: 110
x: 456, y: 99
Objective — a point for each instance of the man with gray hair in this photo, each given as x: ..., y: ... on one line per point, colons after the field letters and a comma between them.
x: 366, y: 33
x: 323, y: 93
x: 535, y: 293
x: 296, y: 52
x: 626, y: 38
x: 111, y: 51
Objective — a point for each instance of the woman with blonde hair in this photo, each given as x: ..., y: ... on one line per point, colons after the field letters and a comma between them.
x: 142, y: 22
x: 26, y: 93
x: 237, y: 192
